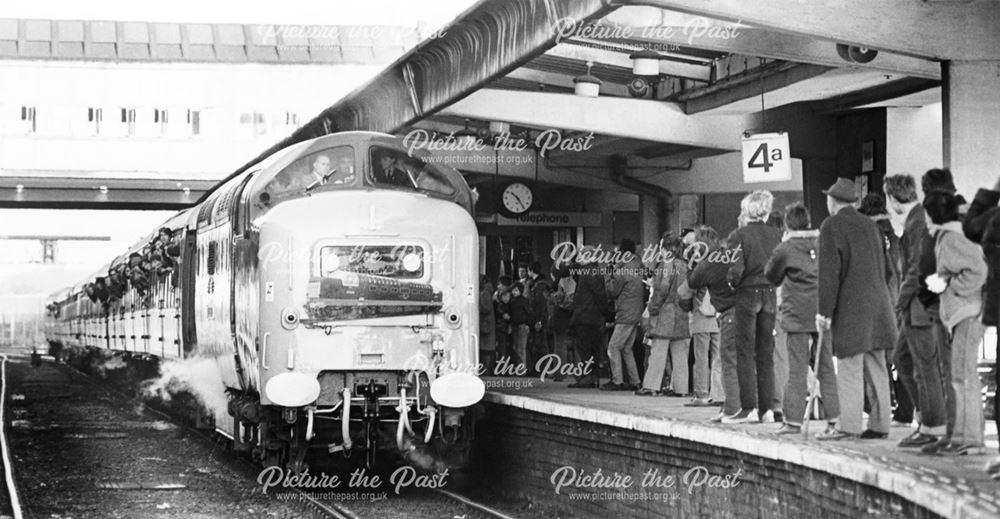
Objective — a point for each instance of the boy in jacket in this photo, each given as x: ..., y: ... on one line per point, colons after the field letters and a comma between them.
x: 961, y: 273
x: 795, y: 267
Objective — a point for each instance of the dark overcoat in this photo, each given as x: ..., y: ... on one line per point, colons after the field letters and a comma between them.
x: 852, y: 284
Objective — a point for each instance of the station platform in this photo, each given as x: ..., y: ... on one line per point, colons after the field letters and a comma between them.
x: 541, y: 425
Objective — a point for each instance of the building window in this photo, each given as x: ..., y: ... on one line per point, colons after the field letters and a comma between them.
x: 28, y: 121
x: 128, y: 120
x: 94, y: 117
x: 160, y: 118
x: 194, y: 121
x: 291, y: 119
x: 255, y: 122
x: 259, y: 123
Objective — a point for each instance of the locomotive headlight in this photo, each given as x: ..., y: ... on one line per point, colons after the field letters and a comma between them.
x: 411, y: 262
x: 329, y: 264
x: 457, y: 390
x: 292, y: 389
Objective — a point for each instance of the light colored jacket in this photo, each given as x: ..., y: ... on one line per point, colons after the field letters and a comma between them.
x: 626, y: 289
x: 667, y: 320
x: 962, y: 263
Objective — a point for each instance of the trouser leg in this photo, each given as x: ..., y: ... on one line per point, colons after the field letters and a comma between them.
x: 521, y: 332
x: 717, y: 392
x: 796, y: 387
x: 746, y: 344
x: 615, y: 356
x: 765, y: 350
x: 850, y: 385
x: 923, y: 344
x: 969, y: 422
x: 679, y: 349
x: 728, y: 354
x: 827, y: 377
x: 781, y: 366
x: 700, y: 345
x: 657, y: 362
x: 877, y: 387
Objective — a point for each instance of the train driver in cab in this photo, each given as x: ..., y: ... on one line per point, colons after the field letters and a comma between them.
x: 321, y: 170
x: 344, y: 174
x: 389, y: 172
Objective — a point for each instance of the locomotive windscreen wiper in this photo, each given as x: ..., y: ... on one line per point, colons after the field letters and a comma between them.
x: 320, y: 181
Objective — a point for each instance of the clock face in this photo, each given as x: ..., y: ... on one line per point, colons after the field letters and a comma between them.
x: 517, y: 198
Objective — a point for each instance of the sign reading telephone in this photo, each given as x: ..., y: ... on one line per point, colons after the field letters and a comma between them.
x: 766, y: 157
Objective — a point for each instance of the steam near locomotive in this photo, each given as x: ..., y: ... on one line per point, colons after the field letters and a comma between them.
x: 334, y: 287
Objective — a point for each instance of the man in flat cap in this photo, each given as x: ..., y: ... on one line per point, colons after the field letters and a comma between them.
x: 855, y: 307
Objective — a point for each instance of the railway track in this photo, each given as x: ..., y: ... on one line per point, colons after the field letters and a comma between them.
x: 12, y: 503
x: 416, y: 503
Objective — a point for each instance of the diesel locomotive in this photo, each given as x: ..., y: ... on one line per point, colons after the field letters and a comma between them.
x: 334, y: 287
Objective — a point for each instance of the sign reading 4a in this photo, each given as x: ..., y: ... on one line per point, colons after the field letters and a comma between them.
x: 766, y: 157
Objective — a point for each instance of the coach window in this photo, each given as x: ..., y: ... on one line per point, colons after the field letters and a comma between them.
x: 396, y: 168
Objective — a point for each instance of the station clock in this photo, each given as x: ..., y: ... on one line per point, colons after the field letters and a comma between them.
x: 515, y: 199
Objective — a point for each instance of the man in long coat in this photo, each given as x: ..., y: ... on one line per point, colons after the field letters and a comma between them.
x: 854, y: 304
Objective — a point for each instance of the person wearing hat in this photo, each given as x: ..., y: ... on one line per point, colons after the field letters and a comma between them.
x: 855, y: 307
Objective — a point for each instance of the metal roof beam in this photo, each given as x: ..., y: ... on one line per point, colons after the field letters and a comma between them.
x: 564, y: 81
x: 649, y: 120
x: 935, y: 30
x: 579, y: 51
x: 486, y: 42
x: 756, y: 42
x: 754, y: 83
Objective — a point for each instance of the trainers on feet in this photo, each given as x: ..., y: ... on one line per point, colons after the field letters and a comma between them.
x: 833, y: 434
x: 958, y: 449
x: 768, y: 417
x: 993, y: 466
x: 787, y: 428
x: 935, y: 448
x: 744, y: 416
x: 699, y: 402
x: 917, y: 439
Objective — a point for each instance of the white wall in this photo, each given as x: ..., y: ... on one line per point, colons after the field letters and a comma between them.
x: 913, y: 139
x: 62, y: 92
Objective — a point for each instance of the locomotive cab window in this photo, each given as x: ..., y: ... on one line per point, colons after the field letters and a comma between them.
x: 331, y: 168
x: 395, y: 168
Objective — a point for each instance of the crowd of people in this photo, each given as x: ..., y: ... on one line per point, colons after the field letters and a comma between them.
x: 880, y: 325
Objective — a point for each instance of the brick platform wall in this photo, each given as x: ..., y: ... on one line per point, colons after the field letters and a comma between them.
x: 518, y: 451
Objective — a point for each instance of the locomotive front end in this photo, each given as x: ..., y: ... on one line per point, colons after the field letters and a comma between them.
x: 368, y: 324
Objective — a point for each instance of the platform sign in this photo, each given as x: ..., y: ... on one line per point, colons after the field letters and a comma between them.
x: 766, y: 158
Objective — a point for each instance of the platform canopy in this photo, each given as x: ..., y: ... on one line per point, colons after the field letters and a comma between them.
x: 718, y: 66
